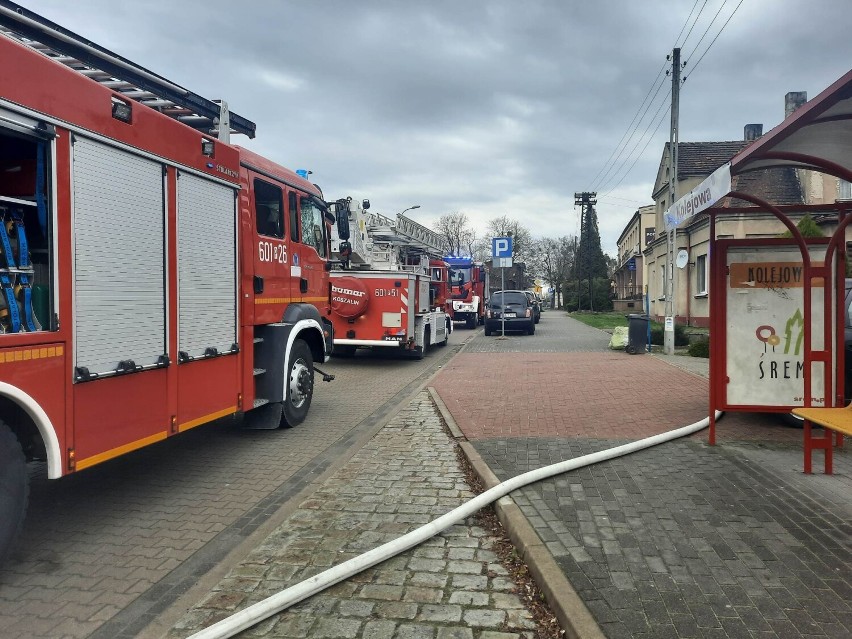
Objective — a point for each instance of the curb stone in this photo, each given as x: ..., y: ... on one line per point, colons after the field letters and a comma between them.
x: 571, y: 613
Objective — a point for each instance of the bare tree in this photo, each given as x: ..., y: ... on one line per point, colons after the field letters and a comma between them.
x: 522, y: 241
x: 554, y: 260
x: 456, y: 229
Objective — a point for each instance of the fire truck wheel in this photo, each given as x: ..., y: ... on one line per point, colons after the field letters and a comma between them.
x: 299, y: 387
x: 470, y: 322
x: 14, y: 489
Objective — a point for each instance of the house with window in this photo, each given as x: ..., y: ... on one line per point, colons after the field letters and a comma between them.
x: 788, y: 187
x: 628, y: 279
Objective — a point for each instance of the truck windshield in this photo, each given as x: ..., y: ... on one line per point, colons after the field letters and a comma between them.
x: 459, y: 275
x: 312, y: 226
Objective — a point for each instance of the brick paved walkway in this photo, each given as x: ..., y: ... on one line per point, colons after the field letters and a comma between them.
x: 681, y: 540
x: 450, y: 587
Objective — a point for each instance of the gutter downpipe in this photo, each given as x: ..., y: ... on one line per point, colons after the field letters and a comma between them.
x: 276, y: 603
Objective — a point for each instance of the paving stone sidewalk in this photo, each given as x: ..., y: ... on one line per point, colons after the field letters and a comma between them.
x: 450, y: 587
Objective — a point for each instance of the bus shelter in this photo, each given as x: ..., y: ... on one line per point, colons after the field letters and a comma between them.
x: 777, y: 320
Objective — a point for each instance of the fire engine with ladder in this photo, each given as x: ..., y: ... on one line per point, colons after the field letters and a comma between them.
x: 153, y: 276
x: 391, y: 287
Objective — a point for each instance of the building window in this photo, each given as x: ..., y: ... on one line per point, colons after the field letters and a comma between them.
x: 844, y: 190
x: 663, y: 287
x: 701, y: 275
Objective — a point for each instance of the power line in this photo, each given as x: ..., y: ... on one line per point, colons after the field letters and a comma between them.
x: 694, y: 22
x: 703, y: 35
x: 663, y: 102
x: 617, y: 184
x: 602, y: 173
x: 684, y: 24
x: 604, y: 177
x: 714, y: 39
x: 617, y: 146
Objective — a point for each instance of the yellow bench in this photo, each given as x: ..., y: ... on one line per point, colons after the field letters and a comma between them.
x: 836, y: 421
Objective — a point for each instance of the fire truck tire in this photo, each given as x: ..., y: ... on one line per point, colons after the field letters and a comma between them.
x: 299, y: 385
x: 470, y: 322
x: 14, y: 489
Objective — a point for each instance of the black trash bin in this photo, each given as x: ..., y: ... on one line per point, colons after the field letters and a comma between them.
x: 637, y: 333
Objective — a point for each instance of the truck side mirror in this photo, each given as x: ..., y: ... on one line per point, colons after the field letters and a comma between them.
x: 343, y: 219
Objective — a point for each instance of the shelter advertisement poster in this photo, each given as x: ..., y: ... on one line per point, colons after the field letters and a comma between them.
x: 765, y: 327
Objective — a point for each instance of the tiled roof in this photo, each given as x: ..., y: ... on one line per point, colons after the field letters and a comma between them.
x: 700, y: 159
x: 776, y: 186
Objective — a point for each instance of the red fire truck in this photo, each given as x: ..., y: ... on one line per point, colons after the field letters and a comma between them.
x: 469, y: 288
x: 390, y: 291
x: 153, y: 277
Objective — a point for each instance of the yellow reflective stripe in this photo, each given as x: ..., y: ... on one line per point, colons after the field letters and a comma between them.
x: 207, y: 418
x: 41, y: 352
x: 115, y: 452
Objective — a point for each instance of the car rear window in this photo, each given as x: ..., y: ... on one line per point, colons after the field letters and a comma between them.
x: 509, y: 297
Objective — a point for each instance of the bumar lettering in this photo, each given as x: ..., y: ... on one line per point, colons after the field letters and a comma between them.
x: 347, y: 291
x: 775, y: 275
x: 789, y: 369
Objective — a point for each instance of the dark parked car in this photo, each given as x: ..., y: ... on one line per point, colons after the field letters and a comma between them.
x: 536, y: 305
x: 511, y: 307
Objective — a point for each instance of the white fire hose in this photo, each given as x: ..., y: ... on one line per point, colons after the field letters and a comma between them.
x: 256, y: 613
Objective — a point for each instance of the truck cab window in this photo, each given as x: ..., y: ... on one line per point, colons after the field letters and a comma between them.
x: 313, y: 226
x: 294, y: 217
x: 269, y: 212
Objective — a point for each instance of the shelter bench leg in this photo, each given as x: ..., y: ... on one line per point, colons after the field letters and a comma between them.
x: 816, y: 443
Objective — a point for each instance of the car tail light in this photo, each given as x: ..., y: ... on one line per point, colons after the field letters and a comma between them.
x: 529, y: 312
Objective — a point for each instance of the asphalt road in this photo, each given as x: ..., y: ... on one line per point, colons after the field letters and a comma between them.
x: 111, y: 549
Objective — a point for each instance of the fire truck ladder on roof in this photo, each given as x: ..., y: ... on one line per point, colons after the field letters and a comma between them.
x: 406, y: 232
x: 119, y: 74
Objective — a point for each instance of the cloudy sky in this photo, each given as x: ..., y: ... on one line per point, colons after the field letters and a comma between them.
x: 489, y: 108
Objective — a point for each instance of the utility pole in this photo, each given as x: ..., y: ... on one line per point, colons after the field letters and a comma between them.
x: 671, y: 293
x: 586, y: 200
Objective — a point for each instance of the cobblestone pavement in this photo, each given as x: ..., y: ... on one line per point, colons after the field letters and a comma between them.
x: 681, y: 540
x: 106, y: 552
x: 450, y: 587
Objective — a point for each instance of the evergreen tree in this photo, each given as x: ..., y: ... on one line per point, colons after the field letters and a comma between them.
x: 590, y: 261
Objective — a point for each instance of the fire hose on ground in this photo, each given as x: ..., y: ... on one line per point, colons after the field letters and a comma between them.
x: 279, y: 602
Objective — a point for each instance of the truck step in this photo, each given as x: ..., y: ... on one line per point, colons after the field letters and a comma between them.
x: 259, y: 371
x: 258, y: 402
x: 258, y: 340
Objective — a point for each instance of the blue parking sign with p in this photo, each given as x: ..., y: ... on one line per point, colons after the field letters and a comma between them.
x: 501, y: 247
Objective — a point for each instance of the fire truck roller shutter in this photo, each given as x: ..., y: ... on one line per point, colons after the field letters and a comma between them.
x: 119, y: 289
x: 349, y: 297
x: 207, y: 228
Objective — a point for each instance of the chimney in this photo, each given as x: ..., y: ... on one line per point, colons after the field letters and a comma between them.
x: 752, y: 132
x: 793, y: 101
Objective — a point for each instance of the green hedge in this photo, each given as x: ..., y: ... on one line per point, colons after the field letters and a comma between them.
x: 700, y: 348
x: 657, y: 331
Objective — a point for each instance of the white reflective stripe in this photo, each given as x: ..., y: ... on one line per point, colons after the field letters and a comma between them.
x: 404, y: 302
x: 367, y: 342
x: 42, y: 422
